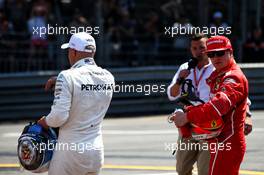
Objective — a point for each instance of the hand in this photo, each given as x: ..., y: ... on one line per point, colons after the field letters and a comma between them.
x: 248, y: 125
x: 43, y: 123
x: 184, y: 73
x: 50, y: 84
x: 179, y: 118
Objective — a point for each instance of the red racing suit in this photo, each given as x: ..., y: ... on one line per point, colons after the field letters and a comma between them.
x: 229, y: 91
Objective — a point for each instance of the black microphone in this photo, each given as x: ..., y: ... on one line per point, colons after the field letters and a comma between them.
x: 192, y: 63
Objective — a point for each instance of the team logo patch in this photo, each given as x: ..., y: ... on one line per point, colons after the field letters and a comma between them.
x: 213, y: 124
x: 216, y: 87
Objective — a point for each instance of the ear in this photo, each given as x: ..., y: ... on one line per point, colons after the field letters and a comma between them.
x: 230, y: 53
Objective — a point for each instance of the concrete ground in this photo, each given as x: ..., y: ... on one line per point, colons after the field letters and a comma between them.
x: 137, y: 146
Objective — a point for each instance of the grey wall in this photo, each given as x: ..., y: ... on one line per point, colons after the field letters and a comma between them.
x: 22, y: 96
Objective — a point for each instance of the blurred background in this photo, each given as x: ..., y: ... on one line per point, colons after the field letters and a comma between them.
x: 131, y: 42
x: 131, y: 31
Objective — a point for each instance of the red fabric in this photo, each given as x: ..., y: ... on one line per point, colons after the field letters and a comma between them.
x: 39, y: 42
x: 218, y: 43
x: 229, y: 102
x: 186, y: 131
x: 226, y: 162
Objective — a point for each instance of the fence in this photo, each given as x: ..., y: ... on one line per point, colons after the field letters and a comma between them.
x: 23, y: 96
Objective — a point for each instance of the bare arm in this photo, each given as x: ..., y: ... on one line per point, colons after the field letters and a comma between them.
x: 175, y: 89
x: 50, y: 84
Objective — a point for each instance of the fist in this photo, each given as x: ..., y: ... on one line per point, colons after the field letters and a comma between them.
x: 50, y: 84
x: 184, y: 73
x: 248, y: 126
x: 179, y: 118
x: 43, y: 123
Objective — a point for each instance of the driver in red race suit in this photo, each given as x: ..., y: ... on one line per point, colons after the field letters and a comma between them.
x: 228, y: 102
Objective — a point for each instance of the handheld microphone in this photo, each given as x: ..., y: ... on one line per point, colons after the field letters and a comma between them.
x: 192, y: 63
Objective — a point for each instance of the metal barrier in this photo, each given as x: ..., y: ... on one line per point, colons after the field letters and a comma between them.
x: 22, y: 95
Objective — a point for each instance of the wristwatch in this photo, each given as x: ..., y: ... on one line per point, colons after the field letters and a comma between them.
x: 180, y: 80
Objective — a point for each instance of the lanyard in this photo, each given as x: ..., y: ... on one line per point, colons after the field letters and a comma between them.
x: 195, y: 79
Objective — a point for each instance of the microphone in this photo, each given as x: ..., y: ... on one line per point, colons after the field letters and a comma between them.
x: 192, y: 63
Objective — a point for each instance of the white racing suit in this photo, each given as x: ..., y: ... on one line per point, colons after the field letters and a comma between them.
x: 82, y: 97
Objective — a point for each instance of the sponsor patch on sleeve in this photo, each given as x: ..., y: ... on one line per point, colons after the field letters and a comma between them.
x: 229, y: 80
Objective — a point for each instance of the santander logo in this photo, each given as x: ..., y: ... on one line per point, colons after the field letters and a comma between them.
x: 215, y: 41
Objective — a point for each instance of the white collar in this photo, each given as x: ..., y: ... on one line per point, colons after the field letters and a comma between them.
x: 84, y: 61
x: 205, y: 66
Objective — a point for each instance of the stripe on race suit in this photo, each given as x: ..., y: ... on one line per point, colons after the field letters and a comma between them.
x: 230, y: 103
x: 215, y: 108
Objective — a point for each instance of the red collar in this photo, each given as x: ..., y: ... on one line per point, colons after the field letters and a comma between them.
x: 231, y: 66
